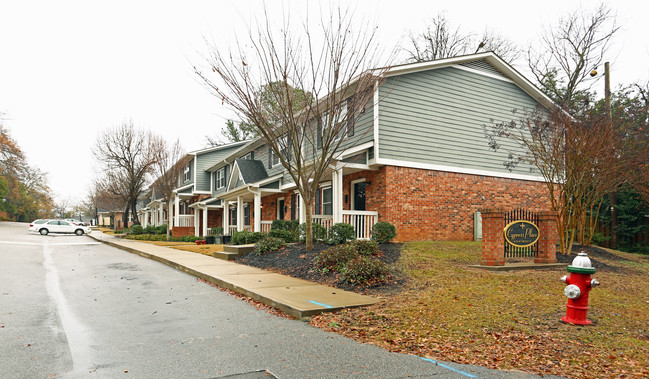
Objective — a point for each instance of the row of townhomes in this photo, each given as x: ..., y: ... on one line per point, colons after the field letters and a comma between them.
x: 419, y: 159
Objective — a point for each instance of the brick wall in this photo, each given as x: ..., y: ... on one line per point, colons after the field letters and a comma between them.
x: 436, y: 205
x: 181, y: 231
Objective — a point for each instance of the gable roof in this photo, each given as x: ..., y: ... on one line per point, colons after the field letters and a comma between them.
x: 251, y: 170
x: 490, y: 57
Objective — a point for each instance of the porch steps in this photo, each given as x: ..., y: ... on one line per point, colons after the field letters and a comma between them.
x: 231, y: 252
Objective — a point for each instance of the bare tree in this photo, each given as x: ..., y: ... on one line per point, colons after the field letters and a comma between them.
x: 169, y: 164
x: 127, y: 156
x: 580, y: 160
x: 441, y: 40
x: 305, y: 129
x: 569, y: 51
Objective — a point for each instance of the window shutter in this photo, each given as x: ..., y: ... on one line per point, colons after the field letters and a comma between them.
x: 252, y: 155
x: 317, y: 201
x: 350, y: 126
x: 270, y: 158
x: 318, y: 137
x: 293, y: 204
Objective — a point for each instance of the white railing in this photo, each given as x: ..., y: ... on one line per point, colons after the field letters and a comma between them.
x: 265, y: 226
x: 362, y: 221
x: 324, y: 220
x: 185, y: 221
x: 232, y: 229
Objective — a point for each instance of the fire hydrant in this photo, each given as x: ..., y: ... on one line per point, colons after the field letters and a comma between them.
x: 579, y: 285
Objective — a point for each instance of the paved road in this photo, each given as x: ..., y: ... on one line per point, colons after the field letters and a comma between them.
x: 71, y: 307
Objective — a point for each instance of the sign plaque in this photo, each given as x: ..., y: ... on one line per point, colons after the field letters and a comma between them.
x: 521, y: 233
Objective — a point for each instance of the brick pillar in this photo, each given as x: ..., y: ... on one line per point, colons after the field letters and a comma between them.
x: 493, y: 239
x: 547, y: 238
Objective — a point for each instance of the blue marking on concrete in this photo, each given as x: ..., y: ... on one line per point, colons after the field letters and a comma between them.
x: 448, y: 367
x: 320, y: 304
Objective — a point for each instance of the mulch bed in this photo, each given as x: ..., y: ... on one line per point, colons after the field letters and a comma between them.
x: 595, y: 254
x: 295, y: 261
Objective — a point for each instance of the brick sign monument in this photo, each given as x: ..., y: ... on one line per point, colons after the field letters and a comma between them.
x: 538, y: 237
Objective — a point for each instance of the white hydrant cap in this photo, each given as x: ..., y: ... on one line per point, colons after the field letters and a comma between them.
x: 582, y: 260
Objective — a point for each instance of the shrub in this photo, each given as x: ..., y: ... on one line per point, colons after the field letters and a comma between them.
x: 268, y: 244
x: 364, y: 247
x: 217, y: 231
x: 319, y: 232
x: 244, y: 237
x: 147, y: 237
x: 162, y: 229
x: 151, y: 230
x: 383, y: 232
x: 286, y: 235
x: 285, y: 224
x: 119, y: 231
x: 335, y: 258
x: 136, y: 229
x: 188, y: 238
x: 341, y: 233
x: 365, y: 270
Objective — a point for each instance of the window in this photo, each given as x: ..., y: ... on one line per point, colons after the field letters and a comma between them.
x: 220, y: 178
x: 250, y: 156
x: 187, y: 173
x: 273, y: 160
x: 246, y: 215
x: 327, y: 208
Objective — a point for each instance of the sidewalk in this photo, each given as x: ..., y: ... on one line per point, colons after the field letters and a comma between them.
x: 296, y: 297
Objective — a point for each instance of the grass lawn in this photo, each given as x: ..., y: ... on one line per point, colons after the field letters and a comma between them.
x: 507, y: 320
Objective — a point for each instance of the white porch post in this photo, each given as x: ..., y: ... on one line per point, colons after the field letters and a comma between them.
x: 337, y: 195
x: 226, y: 216
x: 239, y: 214
x: 205, y: 221
x: 197, y: 223
x: 176, y: 211
x: 302, y: 215
x: 257, y: 226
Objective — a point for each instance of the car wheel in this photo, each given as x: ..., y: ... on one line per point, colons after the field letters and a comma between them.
x: 78, y: 232
x: 44, y: 232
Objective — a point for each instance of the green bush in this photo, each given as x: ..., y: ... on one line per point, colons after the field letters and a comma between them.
x: 151, y: 230
x: 119, y: 231
x: 335, y: 258
x: 365, y: 270
x: 383, y: 232
x: 319, y: 232
x: 244, y: 237
x: 162, y: 229
x: 365, y: 247
x: 286, y: 235
x: 285, y: 225
x: 341, y: 233
x: 269, y: 244
x: 217, y: 231
x: 188, y: 238
x: 147, y: 237
x: 136, y: 229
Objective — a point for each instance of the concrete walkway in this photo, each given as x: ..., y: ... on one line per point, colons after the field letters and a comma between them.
x: 296, y: 297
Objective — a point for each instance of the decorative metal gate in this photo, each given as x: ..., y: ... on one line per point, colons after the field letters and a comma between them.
x: 514, y: 251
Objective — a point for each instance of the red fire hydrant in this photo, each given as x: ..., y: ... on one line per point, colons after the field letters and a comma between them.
x: 579, y: 285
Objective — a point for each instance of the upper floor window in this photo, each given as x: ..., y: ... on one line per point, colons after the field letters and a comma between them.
x: 250, y: 156
x: 220, y: 178
x: 187, y: 173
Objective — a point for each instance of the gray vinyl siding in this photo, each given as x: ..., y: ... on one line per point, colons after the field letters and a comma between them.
x: 437, y: 117
x: 484, y: 66
x: 205, y: 161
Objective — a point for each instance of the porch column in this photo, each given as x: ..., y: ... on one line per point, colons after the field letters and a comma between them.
x: 197, y: 222
x: 176, y: 211
x: 337, y: 196
x: 226, y: 216
x: 205, y: 221
x: 257, y: 226
x: 302, y: 215
x: 239, y: 214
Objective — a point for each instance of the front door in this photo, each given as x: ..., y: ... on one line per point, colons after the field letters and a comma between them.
x: 280, y: 209
x: 359, y: 196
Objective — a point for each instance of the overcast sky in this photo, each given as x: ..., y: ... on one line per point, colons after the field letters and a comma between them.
x: 70, y: 69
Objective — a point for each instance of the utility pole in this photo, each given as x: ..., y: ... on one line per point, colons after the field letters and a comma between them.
x: 613, y: 195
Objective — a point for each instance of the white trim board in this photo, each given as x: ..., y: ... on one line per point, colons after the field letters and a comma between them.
x: 459, y: 170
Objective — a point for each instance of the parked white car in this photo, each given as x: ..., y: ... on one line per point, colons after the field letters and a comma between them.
x: 34, y: 225
x: 62, y: 226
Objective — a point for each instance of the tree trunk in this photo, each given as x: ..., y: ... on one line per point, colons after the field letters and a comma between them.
x: 125, y: 216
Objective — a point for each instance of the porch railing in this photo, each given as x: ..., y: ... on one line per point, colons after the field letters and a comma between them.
x: 185, y: 221
x: 324, y: 220
x: 265, y: 226
x: 362, y: 221
x: 247, y: 228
